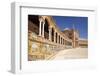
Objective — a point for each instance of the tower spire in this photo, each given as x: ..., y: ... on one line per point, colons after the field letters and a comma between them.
x: 73, y: 36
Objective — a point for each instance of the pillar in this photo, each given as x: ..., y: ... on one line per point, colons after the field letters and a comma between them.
x: 49, y: 33
x: 58, y: 39
x: 63, y: 41
x: 54, y: 36
x: 73, y: 39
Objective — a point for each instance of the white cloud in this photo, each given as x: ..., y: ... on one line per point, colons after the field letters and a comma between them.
x: 66, y: 29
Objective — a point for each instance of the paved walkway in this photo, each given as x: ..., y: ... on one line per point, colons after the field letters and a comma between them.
x: 74, y: 53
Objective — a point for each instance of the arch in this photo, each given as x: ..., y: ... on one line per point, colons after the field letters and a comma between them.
x: 46, y: 29
x: 46, y: 19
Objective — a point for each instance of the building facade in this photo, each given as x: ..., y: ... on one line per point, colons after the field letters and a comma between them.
x: 45, y: 39
x: 73, y: 35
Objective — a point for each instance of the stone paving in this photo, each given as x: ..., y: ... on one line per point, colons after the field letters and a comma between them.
x: 75, y: 53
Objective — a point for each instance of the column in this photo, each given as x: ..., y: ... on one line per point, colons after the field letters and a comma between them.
x: 43, y: 29
x: 78, y: 43
x: 49, y: 33
x: 58, y: 39
x: 64, y: 42
x: 40, y: 22
x: 73, y: 39
x: 61, y: 40
x: 78, y: 39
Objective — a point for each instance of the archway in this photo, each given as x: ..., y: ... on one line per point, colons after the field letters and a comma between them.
x: 46, y: 30
x: 56, y: 37
x: 52, y: 35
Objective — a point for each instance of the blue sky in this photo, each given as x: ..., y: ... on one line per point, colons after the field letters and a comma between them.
x: 80, y: 23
